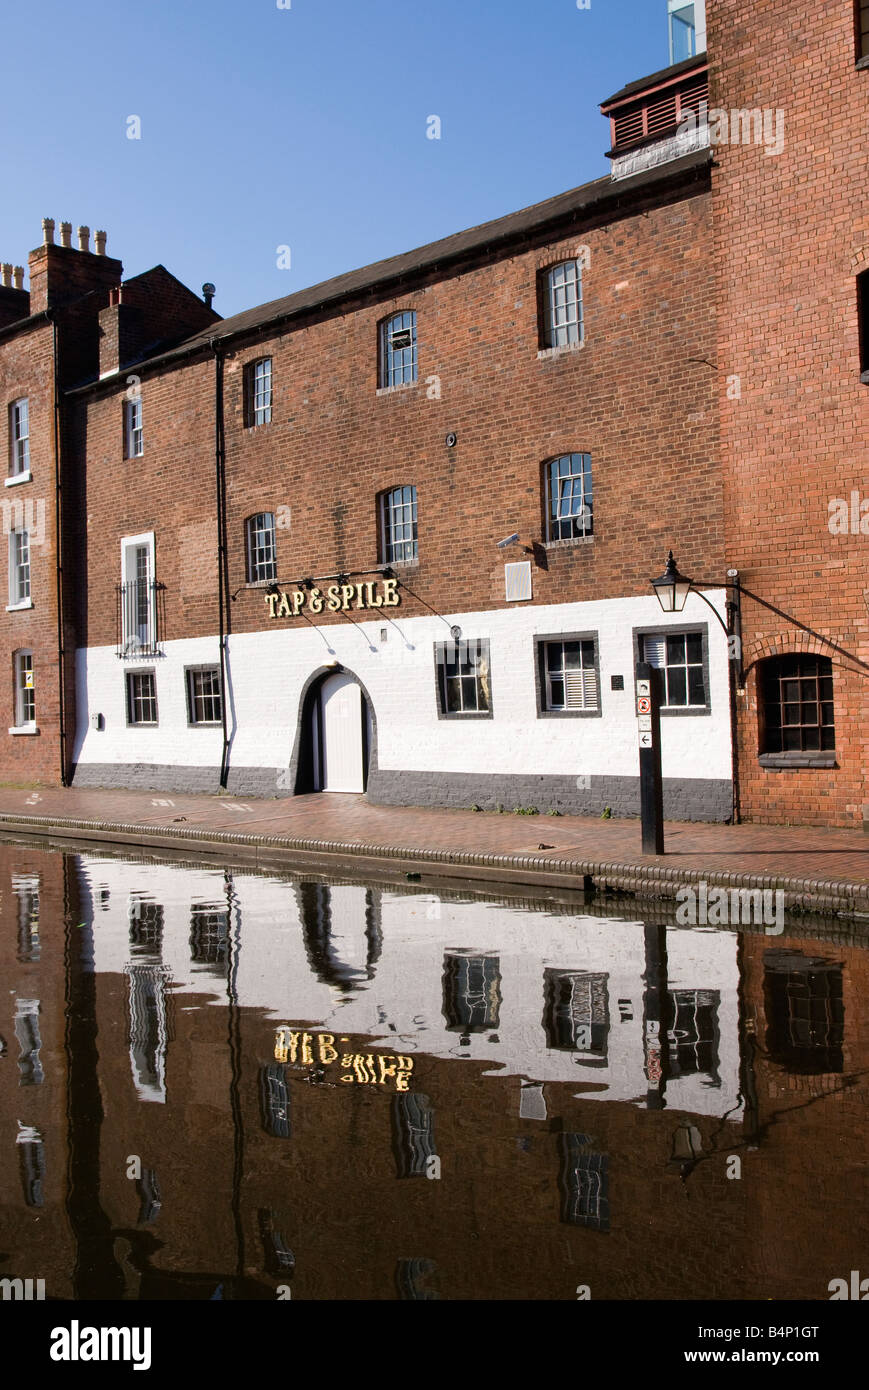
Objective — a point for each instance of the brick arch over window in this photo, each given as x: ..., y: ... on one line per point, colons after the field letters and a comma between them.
x: 783, y: 644
x: 860, y: 260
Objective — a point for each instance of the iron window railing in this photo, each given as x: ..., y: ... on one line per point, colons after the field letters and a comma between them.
x: 139, y: 617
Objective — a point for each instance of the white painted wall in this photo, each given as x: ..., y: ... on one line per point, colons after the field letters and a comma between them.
x: 269, y: 669
x: 402, y: 1006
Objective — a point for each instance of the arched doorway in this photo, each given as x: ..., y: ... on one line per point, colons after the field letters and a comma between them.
x: 336, y: 735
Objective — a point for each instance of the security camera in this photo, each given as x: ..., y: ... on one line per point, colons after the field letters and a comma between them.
x: 509, y: 540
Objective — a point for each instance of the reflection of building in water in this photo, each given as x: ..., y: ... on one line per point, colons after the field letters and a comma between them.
x: 148, y: 1027
x: 342, y: 932
x: 472, y: 991
x: 693, y: 1034
x: 584, y: 1184
x: 26, y: 889
x: 576, y: 1013
x: 410, y: 1277
x: 146, y: 926
x: 31, y: 1159
x: 29, y: 1042
x: 278, y: 1258
x: 805, y: 1012
x: 148, y: 1192
x: 209, y: 937
x: 275, y: 1100
x: 413, y: 1134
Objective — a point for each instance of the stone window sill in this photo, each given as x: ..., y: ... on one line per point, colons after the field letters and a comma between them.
x: 797, y: 760
x: 24, y: 729
x: 400, y: 386
x: 17, y: 607
x: 863, y: 63
x: 566, y: 543
x: 17, y: 478
x: 545, y: 353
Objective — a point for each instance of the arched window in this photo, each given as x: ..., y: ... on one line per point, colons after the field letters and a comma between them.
x: 398, y: 349
x: 561, y: 295
x: 398, y: 525
x: 797, y: 704
x: 568, y: 501
x: 25, y: 697
x: 262, y: 563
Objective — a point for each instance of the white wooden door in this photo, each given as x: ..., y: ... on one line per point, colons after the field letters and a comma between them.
x: 341, y: 705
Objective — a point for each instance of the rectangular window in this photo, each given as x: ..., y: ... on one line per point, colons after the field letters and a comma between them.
x: 262, y: 562
x: 25, y: 696
x: 569, y: 514
x: 398, y: 364
x: 464, y: 681
x: 137, y: 596
x: 141, y: 697
x: 797, y: 701
x: 203, y: 695
x: 19, y: 437
x: 562, y: 306
x: 568, y: 676
x: 679, y: 655
x: 133, y: 438
x: 862, y: 29
x: 19, y: 567
x: 259, y: 392
x: 398, y: 525
x: 863, y: 314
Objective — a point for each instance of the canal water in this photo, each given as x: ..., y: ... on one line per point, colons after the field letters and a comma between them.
x: 220, y: 1084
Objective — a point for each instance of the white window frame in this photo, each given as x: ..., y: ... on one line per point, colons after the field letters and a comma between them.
x: 474, y: 653
x: 399, y: 366
x: 587, y: 686
x: 259, y: 390
x: 20, y: 578
x: 661, y: 637
x: 138, y: 619
x: 563, y: 320
x: 19, y: 439
x: 562, y: 511
x: 134, y: 437
x: 22, y: 724
x: 399, y: 516
x: 190, y: 672
x: 132, y: 678
x: 257, y: 557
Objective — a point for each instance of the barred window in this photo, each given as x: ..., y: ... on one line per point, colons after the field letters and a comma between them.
x: 679, y: 655
x: 262, y: 561
x: 398, y: 349
x: 398, y: 525
x: 19, y: 437
x: 134, y: 445
x: 568, y: 673
x: 464, y: 681
x: 797, y: 696
x: 141, y: 697
x: 562, y: 305
x: 203, y: 695
x: 258, y: 379
x: 568, y: 497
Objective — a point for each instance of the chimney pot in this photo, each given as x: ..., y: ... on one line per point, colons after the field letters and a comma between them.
x: 99, y: 243
x: 48, y: 231
x: 84, y: 236
x: 66, y: 233
x: 6, y: 275
x: 18, y: 277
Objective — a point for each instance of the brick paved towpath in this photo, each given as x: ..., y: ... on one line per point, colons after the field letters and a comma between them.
x: 819, y: 870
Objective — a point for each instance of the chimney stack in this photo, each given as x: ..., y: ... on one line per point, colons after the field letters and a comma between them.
x: 58, y: 278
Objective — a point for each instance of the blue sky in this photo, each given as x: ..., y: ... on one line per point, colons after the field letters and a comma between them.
x: 302, y: 127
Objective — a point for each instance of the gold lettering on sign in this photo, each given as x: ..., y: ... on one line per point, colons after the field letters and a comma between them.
x: 337, y: 598
x: 359, y: 1068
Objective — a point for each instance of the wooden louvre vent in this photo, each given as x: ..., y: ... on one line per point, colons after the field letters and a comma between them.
x: 656, y: 114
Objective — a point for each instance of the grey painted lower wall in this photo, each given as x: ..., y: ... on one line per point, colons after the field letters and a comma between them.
x: 688, y: 799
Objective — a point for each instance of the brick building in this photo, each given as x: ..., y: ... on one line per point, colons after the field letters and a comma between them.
x: 395, y: 532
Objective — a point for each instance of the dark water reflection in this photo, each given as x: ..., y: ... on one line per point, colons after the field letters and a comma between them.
x: 227, y: 1085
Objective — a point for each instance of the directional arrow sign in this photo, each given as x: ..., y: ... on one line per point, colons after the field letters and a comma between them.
x: 645, y: 740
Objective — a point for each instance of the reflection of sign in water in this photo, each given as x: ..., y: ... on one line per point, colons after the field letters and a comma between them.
x: 364, y: 1069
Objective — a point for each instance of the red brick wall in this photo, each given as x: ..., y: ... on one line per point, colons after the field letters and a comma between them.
x: 791, y: 234
x: 630, y: 397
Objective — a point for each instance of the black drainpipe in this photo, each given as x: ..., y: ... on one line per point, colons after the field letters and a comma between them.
x: 61, y: 649
x: 222, y: 561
